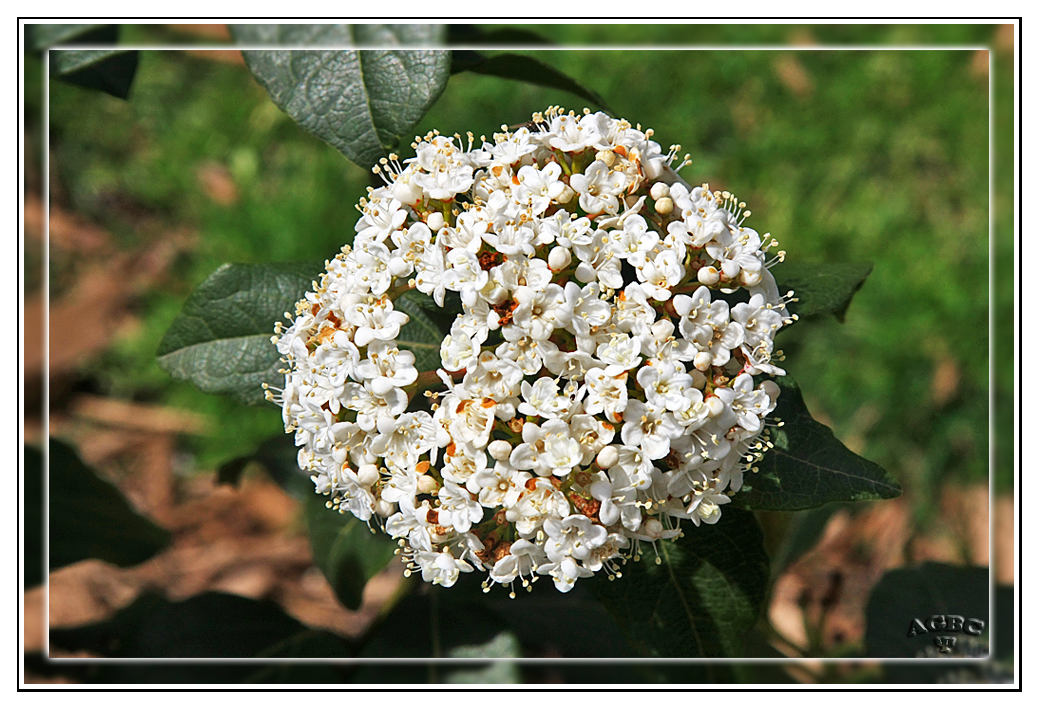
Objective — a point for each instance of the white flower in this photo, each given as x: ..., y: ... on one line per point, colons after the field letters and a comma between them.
x: 594, y: 387
x: 620, y: 354
x: 608, y: 394
x: 542, y: 399
x: 441, y: 568
x: 650, y: 428
x: 457, y: 508
x: 386, y: 367
x: 564, y: 572
x: 598, y: 188
x: 574, y: 536
x: 535, y: 314
x: 538, y: 188
x: 523, y: 559
x: 661, y: 274
x: 403, y: 440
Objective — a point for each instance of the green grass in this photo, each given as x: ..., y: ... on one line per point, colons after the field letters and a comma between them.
x: 882, y: 159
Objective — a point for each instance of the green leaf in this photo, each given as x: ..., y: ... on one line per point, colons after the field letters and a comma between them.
x: 362, y: 102
x: 44, y: 36
x: 803, y: 532
x: 435, y: 622
x: 221, y: 340
x: 278, y: 457
x: 504, y: 645
x: 421, y: 334
x: 461, y: 34
x: 345, y: 550
x: 32, y: 522
x: 108, y: 70
x: 937, y: 589
x: 703, y: 597
x: 340, y: 35
x: 520, y: 67
x: 821, y: 288
x: 90, y: 518
x: 209, y: 625
x: 808, y: 466
x: 571, y: 625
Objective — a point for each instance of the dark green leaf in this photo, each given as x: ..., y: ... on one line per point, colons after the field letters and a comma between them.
x: 340, y: 35
x: 821, y: 288
x: 703, y: 597
x: 278, y: 457
x: 362, y: 102
x: 44, y: 36
x: 312, y: 643
x: 803, y: 532
x: 230, y: 472
x: 527, y: 69
x: 472, y: 34
x: 421, y: 334
x: 108, y: 70
x: 221, y: 340
x: 808, y: 466
x: 32, y: 523
x: 210, y: 625
x: 935, y: 589
x: 345, y: 550
x: 504, y: 645
x: 436, y: 622
x: 548, y: 622
x: 90, y: 518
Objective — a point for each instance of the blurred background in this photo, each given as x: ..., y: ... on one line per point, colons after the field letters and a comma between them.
x: 843, y: 155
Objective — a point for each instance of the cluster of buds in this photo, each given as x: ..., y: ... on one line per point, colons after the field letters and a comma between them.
x: 603, y: 378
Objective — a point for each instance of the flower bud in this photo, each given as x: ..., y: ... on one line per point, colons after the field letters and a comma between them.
x: 750, y: 278
x: 585, y: 272
x: 559, y: 258
x: 771, y: 390
x: 398, y: 266
x: 435, y: 221
x: 699, y: 380
x: 653, y: 528
x: 608, y: 457
x: 384, y: 509
x: 659, y: 190
x: 715, y: 406
x: 566, y: 195
x: 407, y: 193
x: 702, y: 361
x: 500, y: 450
x: 496, y: 295
x: 664, y: 205
x: 427, y: 484
x: 367, y: 474
x: 708, y: 275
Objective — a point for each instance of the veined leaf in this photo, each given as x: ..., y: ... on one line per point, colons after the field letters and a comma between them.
x: 421, y: 335
x: 90, y: 518
x: 520, y: 67
x: 821, y: 288
x: 108, y: 70
x: 362, y: 102
x: 701, y: 599
x: 808, y: 466
x: 345, y: 550
x: 221, y: 340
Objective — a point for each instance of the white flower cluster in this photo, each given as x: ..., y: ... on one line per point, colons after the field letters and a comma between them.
x: 597, y: 386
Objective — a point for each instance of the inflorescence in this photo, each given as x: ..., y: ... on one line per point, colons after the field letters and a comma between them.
x: 599, y: 383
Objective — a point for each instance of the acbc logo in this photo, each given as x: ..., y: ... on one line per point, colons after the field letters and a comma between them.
x: 950, y: 623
